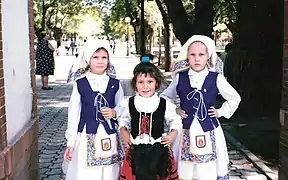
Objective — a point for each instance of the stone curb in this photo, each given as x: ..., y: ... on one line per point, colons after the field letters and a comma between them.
x: 258, y: 163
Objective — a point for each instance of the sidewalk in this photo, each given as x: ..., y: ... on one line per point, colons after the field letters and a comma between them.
x: 53, y: 109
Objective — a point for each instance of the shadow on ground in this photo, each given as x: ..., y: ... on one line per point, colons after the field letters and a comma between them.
x: 259, y: 135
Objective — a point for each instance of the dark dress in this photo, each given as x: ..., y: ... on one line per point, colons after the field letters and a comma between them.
x: 44, y: 59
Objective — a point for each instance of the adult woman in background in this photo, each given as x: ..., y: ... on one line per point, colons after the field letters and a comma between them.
x: 44, y: 59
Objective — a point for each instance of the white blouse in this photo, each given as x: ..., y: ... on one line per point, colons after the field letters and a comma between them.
x: 197, y: 79
x: 149, y: 105
x: 97, y: 83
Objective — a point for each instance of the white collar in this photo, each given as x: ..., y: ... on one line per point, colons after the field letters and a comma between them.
x: 202, y: 73
x: 93, y: 76
x: 146, y: 104
x: 141, y: 98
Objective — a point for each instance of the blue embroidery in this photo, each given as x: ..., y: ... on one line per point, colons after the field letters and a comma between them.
x: 92, y: 161
x: 226, y: 177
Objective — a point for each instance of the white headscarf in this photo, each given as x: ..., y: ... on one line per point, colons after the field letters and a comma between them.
x: 91, y: 46
x: 79, y: 68
x: 182, y: 63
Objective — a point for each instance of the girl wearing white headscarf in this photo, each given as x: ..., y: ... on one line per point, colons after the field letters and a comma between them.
x: 203, y: 153
x: 181, y: 64
x: 93, y: 147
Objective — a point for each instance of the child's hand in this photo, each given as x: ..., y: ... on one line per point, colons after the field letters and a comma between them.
x: 212, y: 112
x: 181, y: 113
x: 169, y: 139
x: 126, y: 137
x: 108, y: 113
x: 68, y: 154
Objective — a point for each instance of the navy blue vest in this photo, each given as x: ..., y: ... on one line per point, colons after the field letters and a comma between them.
x: 91, y: 103
x: 197, y: 102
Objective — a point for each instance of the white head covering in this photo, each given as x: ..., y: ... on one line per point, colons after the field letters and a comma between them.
x: 79, y: 68
x: 92, y: 45
x: 182, y: 63
x: 209, y: 43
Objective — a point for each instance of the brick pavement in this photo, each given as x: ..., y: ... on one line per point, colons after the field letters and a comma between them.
x: 53, y: 108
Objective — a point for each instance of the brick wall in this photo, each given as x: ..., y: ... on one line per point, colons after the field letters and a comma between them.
x: 19, y: 160
x: 3, y: 128
x: 283, y: 148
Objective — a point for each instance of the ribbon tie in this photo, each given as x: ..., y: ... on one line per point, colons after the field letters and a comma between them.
x: 99, y: 103
x: 201, y: 110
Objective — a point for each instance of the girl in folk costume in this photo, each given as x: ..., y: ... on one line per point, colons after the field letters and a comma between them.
x: 93, y: 147
x: 181, y: 64
x: 148, y: 155
x: 203, y: 152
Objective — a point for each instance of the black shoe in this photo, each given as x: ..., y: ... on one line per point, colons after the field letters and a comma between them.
x: 47, y: 88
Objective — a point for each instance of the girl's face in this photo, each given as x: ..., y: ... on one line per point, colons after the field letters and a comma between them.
x: 99, y: 62
x: 197, y: 56
x: 146, y: 85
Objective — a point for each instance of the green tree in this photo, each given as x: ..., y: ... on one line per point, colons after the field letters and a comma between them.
x: 226, y: 14
x: 51, y: 14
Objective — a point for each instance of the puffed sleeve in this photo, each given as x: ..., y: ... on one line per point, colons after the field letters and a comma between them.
x: 73, y: 117
x: 173, y: 120
x: 118, y: 99
x: 230, y: 95
x: 170, y: 93
x: 124, y: 119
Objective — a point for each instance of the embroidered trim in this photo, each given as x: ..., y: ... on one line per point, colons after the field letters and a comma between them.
x: 226, y: 177
x: 186, y: 155
x: 180, y: 66
x: 93, y: 161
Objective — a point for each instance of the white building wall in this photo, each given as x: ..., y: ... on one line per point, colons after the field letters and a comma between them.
x: 16, y: 64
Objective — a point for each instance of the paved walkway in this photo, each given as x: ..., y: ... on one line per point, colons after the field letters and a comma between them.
x: 53, y: 108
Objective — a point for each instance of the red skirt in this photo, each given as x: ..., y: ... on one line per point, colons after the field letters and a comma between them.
x: 126, y: 170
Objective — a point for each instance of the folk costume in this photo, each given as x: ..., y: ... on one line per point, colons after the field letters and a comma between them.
x: 97, y: 152
x: 147, y: 158
x: 203, y: 153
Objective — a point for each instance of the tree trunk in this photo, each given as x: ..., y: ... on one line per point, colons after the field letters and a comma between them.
x: 159, y: 44
x: 58, y: 35
x: 167, y: 45
x: 165, y: 19
x: 257, y: 57
x: 137, y: 38
x: 204, y: 16
x: 183, y: 29
x: 43, y: 18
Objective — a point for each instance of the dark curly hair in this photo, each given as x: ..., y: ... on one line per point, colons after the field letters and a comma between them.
x: 150, y: 69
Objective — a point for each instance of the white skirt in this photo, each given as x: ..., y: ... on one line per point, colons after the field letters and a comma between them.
x: 202, y: 155
x: 100, y: 159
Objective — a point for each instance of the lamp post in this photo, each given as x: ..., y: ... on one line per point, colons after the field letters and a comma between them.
x: 127, y: 21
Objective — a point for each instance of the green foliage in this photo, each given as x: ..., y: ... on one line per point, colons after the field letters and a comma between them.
x: 225, y: 11
x: 189, y: 7
x: 64, y: 15
x: 114, y: 24
x: 153, y: 15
